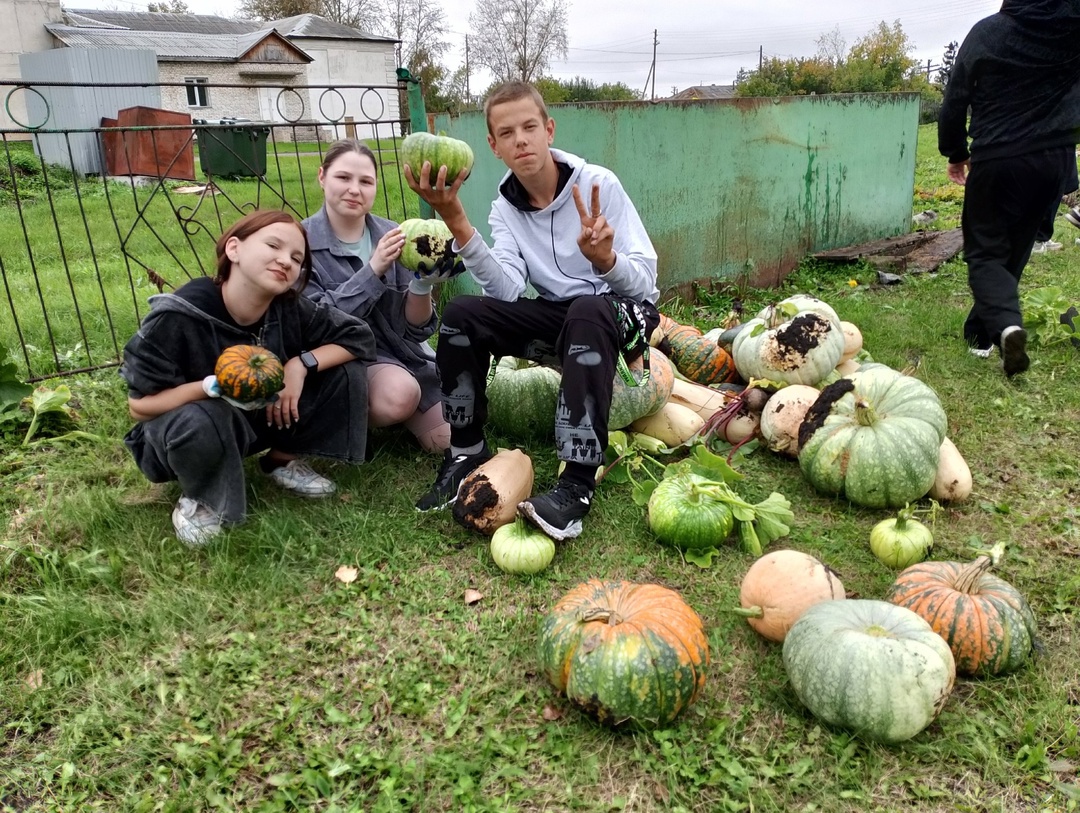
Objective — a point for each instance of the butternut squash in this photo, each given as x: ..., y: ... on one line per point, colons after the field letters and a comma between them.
x: 489, y: 496
x: 952, y: 483
x: 703, y: 400
x: 674, y: 424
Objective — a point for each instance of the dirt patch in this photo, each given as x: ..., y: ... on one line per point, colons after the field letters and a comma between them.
x: 822, y: 407
x: 477, y: 504
x: 792, y: 342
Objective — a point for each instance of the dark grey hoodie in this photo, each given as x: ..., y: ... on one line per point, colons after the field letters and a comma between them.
x: 1019, y: 73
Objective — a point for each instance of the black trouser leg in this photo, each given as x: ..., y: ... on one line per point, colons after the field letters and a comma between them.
x: 1004, y: 202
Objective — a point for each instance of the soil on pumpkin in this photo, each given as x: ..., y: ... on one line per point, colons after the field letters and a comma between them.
x: 793, y: 341
x: 822, y: 408
x: 477, y: 503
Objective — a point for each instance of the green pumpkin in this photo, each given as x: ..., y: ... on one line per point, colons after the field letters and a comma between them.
x: 627, y: 654
x: 874, y: 438
x: 688, y: 518
x: 862, y: 666
x: 797, y: 341
x: 520, y: 549
x: 440, y: 150
x: 426, y: 242
x: 522, y: 397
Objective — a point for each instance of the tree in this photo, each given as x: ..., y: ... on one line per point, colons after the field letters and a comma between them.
x: 421, y: 27
x: 947, y: 60
x: 580, y: 89
x: 169, y: 7
x: 517, y: 39
x: 831, y: 47
x: 362, y: 14
x: 786, y: 77
x: 877, y: 62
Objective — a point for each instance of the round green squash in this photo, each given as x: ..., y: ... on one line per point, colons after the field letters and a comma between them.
x: 627, y: 654
x: 440, y: 150
x: 521, y: 549
x: 426, y: 242
x: 873, y: 437
x: 862, y: 666
x: 522, y: 397
x: 688, y: 517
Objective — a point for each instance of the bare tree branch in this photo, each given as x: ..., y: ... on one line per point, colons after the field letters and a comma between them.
x: 518, y: 39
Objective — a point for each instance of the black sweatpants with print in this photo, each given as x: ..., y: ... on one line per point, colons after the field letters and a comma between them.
x: 1005, y: 201
x: 583, y: 335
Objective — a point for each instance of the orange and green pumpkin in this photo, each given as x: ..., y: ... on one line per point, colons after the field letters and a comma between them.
x: 699, y: 359
x: 985, y: 620
x: 630, y: 403
x: 627, y: 654
x: 247, y: 372
x: 440, y: 150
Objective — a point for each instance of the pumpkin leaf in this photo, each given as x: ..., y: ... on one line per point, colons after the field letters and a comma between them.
x: 12, y: 391
x: 642, y: 491
x: 711, y: 466
x: 703, y: 558
x: 44, y: 401
x: 774, y: 517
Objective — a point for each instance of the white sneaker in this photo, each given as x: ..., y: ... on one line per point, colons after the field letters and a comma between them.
x: 299, y: 478
x: 1045, y: 246
x: 195, y: 524
x: 981, y: 352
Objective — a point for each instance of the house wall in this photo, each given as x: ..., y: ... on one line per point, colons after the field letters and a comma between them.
x: 24, y: 33
x: 353, y: 62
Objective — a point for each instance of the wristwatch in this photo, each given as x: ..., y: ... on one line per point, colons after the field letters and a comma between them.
x: 307, y: 358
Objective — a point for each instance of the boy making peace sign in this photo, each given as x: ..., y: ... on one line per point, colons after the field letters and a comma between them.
x: 594, y: 270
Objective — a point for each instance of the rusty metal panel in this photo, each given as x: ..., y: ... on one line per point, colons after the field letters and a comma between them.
x: 737, y: 187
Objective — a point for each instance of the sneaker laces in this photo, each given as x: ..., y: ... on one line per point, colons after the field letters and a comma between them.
x: 565, y: 495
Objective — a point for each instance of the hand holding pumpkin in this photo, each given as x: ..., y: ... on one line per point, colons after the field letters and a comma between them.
x: 430, y: 184
x: 286, y: 410
x: 597, y: 235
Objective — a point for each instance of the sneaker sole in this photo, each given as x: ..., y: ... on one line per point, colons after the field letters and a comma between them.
x: 558, y: 534
x: 1014, y: 353
x: 1072, y: 219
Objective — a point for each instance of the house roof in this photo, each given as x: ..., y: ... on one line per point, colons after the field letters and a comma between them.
x: 707, y: 92
x: 170, y: 46
x: 301, y: 25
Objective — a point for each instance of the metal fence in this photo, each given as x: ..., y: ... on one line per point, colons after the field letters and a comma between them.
x: 93, y: 220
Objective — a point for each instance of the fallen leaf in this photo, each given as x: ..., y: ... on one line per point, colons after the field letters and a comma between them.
x: 473, y: 596
x: 1062, y: 766
x: 34, y: 679
x: 344, y: 496
x: 551, y: 713
x: 346, y: 574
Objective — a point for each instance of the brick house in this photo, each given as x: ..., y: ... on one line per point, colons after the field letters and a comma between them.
x: 267, y: 63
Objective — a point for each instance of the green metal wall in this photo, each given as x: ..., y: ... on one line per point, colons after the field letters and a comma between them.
x: 736, y: 186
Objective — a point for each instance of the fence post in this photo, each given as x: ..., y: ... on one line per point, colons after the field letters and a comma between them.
x: 417, y: 122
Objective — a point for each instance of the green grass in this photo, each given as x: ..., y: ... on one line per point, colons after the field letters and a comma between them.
x: 138, y: 675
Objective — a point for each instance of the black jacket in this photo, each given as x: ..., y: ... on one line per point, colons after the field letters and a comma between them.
x: 1019, y: 72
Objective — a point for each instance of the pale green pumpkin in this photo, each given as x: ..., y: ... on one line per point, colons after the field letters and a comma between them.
x: 797, y: 341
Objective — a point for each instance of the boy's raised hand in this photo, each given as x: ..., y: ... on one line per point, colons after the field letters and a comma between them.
x: 597, y: 235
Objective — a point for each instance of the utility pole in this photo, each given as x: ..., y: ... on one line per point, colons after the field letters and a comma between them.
x: 760, y: 57
x: 928, y: 70
x: 653, y: 69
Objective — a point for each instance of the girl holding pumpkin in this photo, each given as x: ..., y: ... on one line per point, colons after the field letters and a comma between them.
x: 355, y: 268
x: 187, y: 432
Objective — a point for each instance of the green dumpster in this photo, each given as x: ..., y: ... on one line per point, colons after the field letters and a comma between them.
x: 233, y: 148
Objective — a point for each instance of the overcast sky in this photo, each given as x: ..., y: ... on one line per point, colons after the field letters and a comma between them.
x: 699, y: 41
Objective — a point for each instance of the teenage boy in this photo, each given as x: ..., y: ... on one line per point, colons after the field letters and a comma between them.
x: 594, y: 270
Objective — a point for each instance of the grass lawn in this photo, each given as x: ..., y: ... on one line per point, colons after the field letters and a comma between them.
x: 139, y: 675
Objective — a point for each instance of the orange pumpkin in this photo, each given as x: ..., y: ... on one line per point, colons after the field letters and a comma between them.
x: 626, y: 653
x: 985, y: 620
x: 699, y: 359
x: 247, y: 372
x: 780, y: 586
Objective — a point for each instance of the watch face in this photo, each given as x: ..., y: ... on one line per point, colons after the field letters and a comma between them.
x: 308, y: 360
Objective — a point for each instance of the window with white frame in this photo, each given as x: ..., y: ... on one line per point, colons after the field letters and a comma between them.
x: 198, y: 94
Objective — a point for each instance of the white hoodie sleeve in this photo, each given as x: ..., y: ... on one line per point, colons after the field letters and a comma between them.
x: 500, y: 272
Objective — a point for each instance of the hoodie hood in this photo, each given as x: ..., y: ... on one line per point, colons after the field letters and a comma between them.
x: 1040, y: 12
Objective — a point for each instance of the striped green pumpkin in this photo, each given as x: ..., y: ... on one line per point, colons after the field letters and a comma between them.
x: 247, y: 372
x: 440, y: 150
x: 873, y: 437
x: 627, y: 654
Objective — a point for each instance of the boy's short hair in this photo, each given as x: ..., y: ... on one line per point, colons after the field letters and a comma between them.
x: 511, y: 92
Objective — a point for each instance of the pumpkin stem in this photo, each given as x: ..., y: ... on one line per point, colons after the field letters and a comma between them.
x: 864, y: 413
x: 903, y: 515
x: 969, y: 576
x: 748, y: 612
x: 601, y: 614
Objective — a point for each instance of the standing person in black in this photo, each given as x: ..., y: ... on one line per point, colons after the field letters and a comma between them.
x: 1019, y: 73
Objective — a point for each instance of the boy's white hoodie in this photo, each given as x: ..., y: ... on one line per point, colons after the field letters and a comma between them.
x: 539, y: 248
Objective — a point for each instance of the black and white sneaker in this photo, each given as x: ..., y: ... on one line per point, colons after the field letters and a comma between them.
x: 1014, y: 355
x: 1073, y: 216
x: 559, y: 512
x: 451, y: 474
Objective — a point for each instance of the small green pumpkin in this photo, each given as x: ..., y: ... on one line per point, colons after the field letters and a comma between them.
x: 440, y: 150
x: 426, y: 242
x: 247, y: 372
x: 874, y: 438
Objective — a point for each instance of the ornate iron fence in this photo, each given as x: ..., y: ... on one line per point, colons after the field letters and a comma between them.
x: 93, y: 220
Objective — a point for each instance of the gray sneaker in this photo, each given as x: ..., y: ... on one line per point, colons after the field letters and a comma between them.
x: 299, y: 478
x: 195, y: 524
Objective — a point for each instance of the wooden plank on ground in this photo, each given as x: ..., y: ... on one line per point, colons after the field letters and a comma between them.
x: 888, y: 245
x: 931, y: 254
